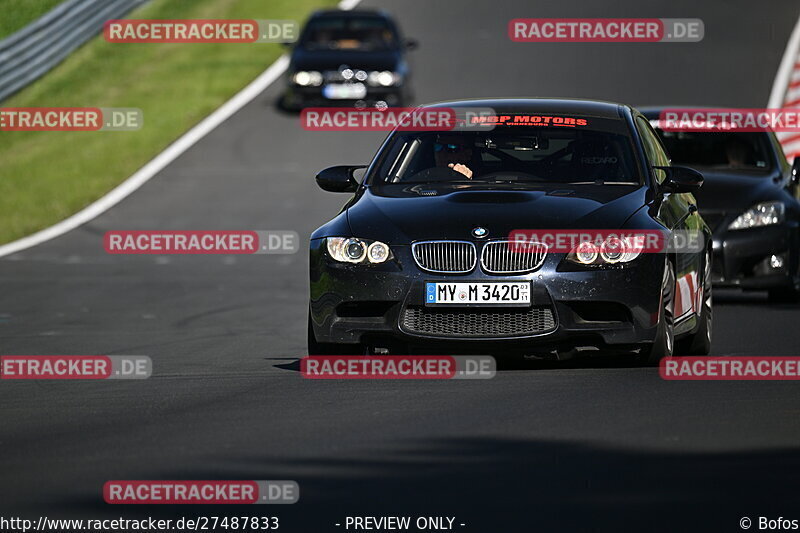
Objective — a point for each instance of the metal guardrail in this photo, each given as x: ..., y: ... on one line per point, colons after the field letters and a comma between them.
x: 44, y: 43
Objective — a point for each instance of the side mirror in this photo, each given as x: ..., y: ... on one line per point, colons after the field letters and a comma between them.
x: 410, y: 44
x: 681, y: 179
x: 339, y: 178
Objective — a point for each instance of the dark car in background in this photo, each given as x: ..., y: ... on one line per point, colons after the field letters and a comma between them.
x: 349, y: 58
x: 419, y: 259
x: 750, y: 201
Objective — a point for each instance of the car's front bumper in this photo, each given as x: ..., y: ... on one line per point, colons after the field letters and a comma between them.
x: 756, y: 258
x: 299, y: 97
x: 384, y: 305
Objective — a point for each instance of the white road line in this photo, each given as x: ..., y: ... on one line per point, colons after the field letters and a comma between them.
x: 159, y: 162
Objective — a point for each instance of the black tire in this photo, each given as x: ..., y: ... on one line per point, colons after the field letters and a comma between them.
x: 664, y: 342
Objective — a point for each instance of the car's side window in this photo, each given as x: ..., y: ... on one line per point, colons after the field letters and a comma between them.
x: 652, y: 147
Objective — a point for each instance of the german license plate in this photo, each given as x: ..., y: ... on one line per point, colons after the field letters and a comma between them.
x: 498, y: 293
x: 344, y: 91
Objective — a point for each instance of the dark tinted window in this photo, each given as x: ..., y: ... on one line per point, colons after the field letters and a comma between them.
x: 722, y: 150
x: 600, y: 151
x: 348, y: 33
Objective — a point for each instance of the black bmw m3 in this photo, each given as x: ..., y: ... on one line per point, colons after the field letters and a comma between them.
x: 423, y: 258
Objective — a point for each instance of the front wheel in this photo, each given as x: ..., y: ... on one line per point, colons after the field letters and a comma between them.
x: 664, y: 342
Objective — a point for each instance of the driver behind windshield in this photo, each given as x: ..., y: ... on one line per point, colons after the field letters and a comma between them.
x: 454, y: 152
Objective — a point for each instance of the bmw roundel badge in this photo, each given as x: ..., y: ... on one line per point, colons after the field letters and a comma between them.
x: 480, y: 232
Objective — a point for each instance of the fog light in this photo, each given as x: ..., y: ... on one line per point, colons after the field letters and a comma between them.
x: 776, y: 262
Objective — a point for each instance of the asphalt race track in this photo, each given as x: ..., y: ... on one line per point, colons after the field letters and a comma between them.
x: 597, y: 445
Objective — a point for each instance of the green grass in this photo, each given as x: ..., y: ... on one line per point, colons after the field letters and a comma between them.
x: 16, y: 14
x: 47, y: 176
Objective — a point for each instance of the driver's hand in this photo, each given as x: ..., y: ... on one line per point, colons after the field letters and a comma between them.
x: 464, y: 169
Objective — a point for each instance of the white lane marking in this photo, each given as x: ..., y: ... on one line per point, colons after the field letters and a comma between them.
x: 155, y: 165
x: 347, y: 5
x: 159, y: 162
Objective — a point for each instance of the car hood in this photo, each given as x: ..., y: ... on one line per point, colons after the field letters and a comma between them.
x: 735, y: 191
x: 404, y: 214
x: 322, y: 60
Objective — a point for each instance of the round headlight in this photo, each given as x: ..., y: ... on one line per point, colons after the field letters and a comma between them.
x: 377, y: 252
x: 586, y: 253
x: 307, y: 78
x: 316, y: 78
x: 302, y: 78
x: 386, y: 78
x: 354, y: 250
x: 612, y: 250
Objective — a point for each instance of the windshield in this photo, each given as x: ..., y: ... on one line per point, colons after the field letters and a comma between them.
x: 722, y: 150
x: 349, y: 33
x: 593, y: 151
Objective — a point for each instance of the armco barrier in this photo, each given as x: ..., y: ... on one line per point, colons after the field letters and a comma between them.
x: 34, y: 50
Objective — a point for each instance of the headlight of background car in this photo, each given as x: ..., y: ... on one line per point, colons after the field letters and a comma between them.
x: 384, y: 78
x: 763, y: 214
x: 310, y: 78
x: 353, y: 250
x: 611, y: 251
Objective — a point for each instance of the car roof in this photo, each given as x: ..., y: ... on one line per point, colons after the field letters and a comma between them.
x: 352, y: 13
x: 570, y: 106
